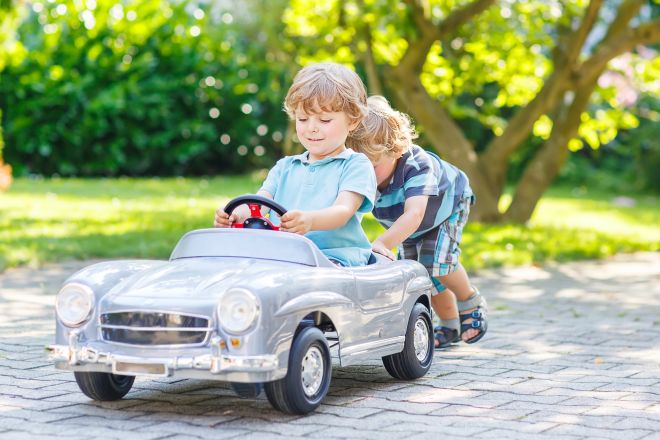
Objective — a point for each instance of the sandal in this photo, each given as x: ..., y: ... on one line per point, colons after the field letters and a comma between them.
x: 445, y: 337
x: 478, y: 316
x: 478, y: 322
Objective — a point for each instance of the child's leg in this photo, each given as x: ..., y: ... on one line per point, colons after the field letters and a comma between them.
x: 444, y: 305
x: 459, y: 283
x: 449, y: 272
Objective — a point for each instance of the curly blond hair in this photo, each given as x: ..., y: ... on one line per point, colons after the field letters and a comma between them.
x: 327, y: 87
x: 384, y: 131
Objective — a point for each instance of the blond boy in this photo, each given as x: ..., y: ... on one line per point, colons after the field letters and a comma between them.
x: 327, y: 188
x: 423, y: 202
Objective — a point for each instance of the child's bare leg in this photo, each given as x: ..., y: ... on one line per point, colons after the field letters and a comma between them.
x: 459, y: 283
x: 444, y: 305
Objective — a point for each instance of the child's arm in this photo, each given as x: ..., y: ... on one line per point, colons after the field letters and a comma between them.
x: 336, y: 216
x: 403, y: 227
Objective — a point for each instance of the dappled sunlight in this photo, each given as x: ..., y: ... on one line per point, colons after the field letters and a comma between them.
x: 6, y: 405
x: 439, y: 395
x: 602, y: 216
x: 521, y: 294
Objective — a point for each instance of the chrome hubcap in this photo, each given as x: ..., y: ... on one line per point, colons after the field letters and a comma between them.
x: 421, y: 339
x: 312, y: 371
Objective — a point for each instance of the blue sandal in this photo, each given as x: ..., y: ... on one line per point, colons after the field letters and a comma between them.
x: 479, y: 322
x: 445, y: 337
x: 478, y: 316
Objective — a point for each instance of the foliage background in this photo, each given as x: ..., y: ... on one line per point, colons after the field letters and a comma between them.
x: 147, y: 87
x: 167, y: 87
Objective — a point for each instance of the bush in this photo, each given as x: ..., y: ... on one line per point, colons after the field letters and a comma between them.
x: 153, y: 87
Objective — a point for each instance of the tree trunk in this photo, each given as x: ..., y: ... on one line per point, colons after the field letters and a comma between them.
x: 545, y: 166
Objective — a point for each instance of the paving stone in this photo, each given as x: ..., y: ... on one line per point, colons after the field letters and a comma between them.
x: 346, y: 411
x: 573, y: 429
x: 269, y: 436
x: 499, y: 434
x: 498, y: 413
x: 32, y: 416
x: 292, y: 427
x: 199, y: 420
x: 563, y: 408
x: 176, y: 427
x: 583, y: 419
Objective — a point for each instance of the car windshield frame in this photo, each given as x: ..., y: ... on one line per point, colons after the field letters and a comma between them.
x: 247, y: 243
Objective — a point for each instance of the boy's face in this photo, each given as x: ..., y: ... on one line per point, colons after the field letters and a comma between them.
x: 322, y: 133
x: 384, y: 169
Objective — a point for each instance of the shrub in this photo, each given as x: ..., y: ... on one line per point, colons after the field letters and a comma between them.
x: 147, y: 87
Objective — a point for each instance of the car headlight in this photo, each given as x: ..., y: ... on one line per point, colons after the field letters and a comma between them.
x: 238, y: 310
x: 74, y: 304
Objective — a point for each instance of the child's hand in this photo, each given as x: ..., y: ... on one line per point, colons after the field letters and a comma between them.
x: 223, y: 220
x: 298, y: 222
x: 380, y: 248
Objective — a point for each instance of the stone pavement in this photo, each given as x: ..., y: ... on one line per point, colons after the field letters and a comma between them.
x: 573, y: 352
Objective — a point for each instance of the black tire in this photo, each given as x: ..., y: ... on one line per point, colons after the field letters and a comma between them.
x: 295, y: 393
x: 103, y: 386
x: 247, y: 390
x: 413, y: 362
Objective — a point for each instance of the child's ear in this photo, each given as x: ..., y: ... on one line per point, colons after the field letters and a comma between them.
x: 353, y: 125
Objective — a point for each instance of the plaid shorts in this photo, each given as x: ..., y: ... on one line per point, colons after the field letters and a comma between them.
x: 438, y: 250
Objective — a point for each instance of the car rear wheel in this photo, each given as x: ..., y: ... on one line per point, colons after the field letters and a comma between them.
x: 103, y: 386
x: 417, y: 355
x: 308, y: 377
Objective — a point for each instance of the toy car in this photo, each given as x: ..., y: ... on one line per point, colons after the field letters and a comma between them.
x: 248, y: 305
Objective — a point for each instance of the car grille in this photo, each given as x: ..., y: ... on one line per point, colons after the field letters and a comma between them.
x: 154, y: 328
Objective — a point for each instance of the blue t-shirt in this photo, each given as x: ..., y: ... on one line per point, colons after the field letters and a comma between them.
x: 421, y: 173
x: 297, y: 183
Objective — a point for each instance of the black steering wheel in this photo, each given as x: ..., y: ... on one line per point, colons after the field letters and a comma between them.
x: 256, y: 219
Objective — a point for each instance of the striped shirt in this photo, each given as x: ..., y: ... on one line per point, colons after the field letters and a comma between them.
x: 421, y: 173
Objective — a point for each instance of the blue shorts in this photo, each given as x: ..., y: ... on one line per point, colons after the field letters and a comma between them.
x: 438, y: 250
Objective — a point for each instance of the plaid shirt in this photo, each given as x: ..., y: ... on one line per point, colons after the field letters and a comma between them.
x: 421, y: 173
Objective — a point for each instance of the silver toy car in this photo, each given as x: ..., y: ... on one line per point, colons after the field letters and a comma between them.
x: 245, y: 305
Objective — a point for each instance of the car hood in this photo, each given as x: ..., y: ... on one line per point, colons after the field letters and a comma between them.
x: 192, y: 280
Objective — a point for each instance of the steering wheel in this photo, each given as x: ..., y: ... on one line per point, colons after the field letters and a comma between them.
x: 256, y: 219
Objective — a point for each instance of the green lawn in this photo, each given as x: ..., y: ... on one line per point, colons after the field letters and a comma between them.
x: 49, y: 220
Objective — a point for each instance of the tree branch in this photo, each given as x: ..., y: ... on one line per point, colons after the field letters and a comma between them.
x: 419, y: 15
x: 375, y: 85
x: 627, y: 10
x: 415, y: 56
x: 460, y: 16
x: 370, y: 66
x: 519, y: 127
x: 648, y: 33
x: 582, y: 32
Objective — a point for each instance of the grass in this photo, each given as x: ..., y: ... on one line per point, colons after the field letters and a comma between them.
x: 47, y: 220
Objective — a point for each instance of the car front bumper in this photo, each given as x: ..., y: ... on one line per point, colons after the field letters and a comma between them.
x: 213, y: 364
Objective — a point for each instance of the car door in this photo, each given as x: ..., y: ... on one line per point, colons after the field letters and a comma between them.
x: 379, y: 292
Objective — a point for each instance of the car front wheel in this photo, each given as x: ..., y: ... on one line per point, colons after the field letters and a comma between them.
x: 308, y: 377
x: 103, y: 386
x: 417, y: 355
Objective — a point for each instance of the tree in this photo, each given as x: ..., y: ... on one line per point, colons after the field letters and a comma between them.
x: 523, y: 72
x: 10, y: 50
